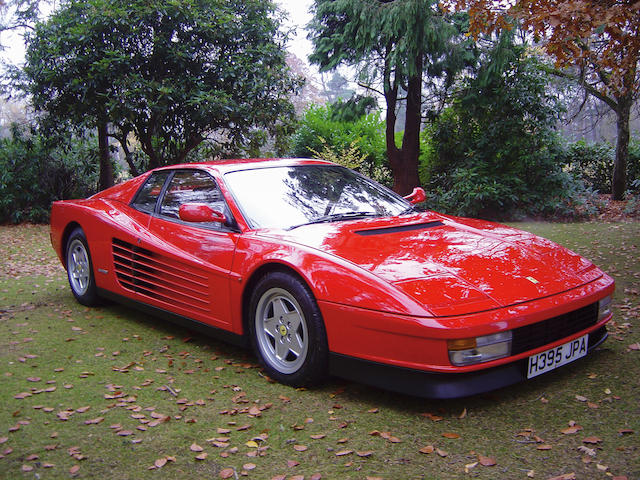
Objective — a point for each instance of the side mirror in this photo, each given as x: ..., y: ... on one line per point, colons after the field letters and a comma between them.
x: 416, y: 196
x: 200, y: 212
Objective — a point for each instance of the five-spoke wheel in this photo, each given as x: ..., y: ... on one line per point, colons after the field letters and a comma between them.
x: 287, y: 330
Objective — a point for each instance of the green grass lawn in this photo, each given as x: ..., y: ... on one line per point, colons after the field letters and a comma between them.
x: 111, y: 393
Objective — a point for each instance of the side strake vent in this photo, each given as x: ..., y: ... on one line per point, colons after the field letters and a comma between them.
x: 401, y: 228
x: 159, y: 277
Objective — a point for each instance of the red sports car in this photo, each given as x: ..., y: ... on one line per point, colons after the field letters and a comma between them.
x: 324, y: 271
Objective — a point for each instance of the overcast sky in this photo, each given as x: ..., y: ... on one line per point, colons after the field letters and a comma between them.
x: 299, y: 15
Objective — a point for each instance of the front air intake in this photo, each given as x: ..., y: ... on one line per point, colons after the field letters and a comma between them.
x: 400, y: 228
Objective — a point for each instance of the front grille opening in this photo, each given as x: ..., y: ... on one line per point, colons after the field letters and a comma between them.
x: 553, y: 329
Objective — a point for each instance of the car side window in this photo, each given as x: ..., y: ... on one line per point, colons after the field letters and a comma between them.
x: 192, y: 186
x: 147, y: 197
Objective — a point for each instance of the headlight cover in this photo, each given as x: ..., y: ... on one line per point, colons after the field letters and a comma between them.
x: 470, y: 351
x: 604, y: 308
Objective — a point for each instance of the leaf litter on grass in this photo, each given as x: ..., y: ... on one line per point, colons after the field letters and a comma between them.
x: 163, y: 390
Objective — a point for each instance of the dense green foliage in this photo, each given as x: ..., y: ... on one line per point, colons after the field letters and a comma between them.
x: 320, y: 129
x: 399, y: 46
x: 171, y: 72
x: 495, y: 150
x: 36, y: 169
x: 593, y: 163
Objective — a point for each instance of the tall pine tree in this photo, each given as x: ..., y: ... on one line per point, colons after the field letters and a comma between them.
x: 397, y: 44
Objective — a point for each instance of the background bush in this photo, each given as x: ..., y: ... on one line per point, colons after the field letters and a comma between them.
x: 593, y: 163
x: 323, y: 126
x: 36, y: 170
x: 495, y: 150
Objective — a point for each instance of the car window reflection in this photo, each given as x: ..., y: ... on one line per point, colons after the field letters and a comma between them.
x: 285, y: 197
x: 147, y: 197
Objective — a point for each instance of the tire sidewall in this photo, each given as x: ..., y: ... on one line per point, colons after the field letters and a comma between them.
x: 315, y: 365
x: 90, y: 297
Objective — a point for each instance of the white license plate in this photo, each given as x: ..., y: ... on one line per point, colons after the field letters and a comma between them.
x: 558, y: 356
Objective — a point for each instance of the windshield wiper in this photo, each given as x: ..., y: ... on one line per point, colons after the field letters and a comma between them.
x: 409, y: 209
x: 336, y: 217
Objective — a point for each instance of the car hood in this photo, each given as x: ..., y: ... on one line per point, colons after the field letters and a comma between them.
x: 451, y: 266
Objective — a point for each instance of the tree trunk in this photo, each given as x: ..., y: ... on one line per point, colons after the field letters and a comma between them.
x: 619, y: 180
x: 128, y: 155
x: 106, y: 169
x: 408, y: 178
x: 404, y: 161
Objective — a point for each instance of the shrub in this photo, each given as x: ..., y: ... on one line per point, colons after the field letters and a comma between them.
x: 320, y: 129
x: 351, y: 157
x: 592, y: 163
x: 36, y: 170
x: 495, y: 152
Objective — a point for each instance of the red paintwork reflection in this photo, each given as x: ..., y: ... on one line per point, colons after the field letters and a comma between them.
x: 452, y: 268
x: 391, y: 290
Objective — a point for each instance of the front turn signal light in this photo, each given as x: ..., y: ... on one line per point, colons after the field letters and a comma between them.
x: 469, y: 351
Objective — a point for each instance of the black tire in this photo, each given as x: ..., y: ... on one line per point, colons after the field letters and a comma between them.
x: 80, y: 269
x: 287, y: 331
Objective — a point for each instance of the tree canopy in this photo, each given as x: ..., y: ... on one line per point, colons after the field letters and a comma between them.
x: 171, y: 72
x: 397, y: 44
x: 496, y: 151
x: 599, y: 40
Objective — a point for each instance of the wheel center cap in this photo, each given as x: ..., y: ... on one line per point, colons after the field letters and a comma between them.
x: 283, y: 330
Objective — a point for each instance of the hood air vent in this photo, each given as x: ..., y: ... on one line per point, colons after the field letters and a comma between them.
x: 401, y: 228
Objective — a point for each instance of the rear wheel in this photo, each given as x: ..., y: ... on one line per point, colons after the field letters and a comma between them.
x: 80, y: 269
x: 287, y: 330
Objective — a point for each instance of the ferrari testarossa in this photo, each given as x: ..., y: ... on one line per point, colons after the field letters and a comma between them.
x: 324, y: 271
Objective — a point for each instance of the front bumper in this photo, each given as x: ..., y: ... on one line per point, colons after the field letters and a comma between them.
x: 438, y: 385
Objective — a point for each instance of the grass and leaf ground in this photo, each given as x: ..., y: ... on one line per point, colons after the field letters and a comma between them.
x: 111, y: 393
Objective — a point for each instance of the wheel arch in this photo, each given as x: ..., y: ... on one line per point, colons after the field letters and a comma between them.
x: 258, y: 274
x: 71, y: 226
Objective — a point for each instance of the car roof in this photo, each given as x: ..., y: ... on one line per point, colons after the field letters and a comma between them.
x: 232, y: 165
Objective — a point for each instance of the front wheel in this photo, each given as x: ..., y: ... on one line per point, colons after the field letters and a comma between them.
x: 287, y: 330
x: 80, y: 269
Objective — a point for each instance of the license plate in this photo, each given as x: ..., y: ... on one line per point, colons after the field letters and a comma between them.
x: 558, y: 356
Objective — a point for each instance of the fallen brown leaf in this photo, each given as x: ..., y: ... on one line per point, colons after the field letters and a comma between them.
x: 566, y: 476
x: 486, y: 461
x: 591, y: 440
x: 342, y: 453
x: 226, y: 473
x: 572, y: 430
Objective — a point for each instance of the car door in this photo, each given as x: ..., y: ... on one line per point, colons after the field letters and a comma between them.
x: 185, y: 267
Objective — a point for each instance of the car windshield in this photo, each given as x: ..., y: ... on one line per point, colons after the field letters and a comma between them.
x: 292, y: 196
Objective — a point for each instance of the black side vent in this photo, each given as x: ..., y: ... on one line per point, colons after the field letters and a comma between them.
x: 402, y: 228
x: 156, y: 276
